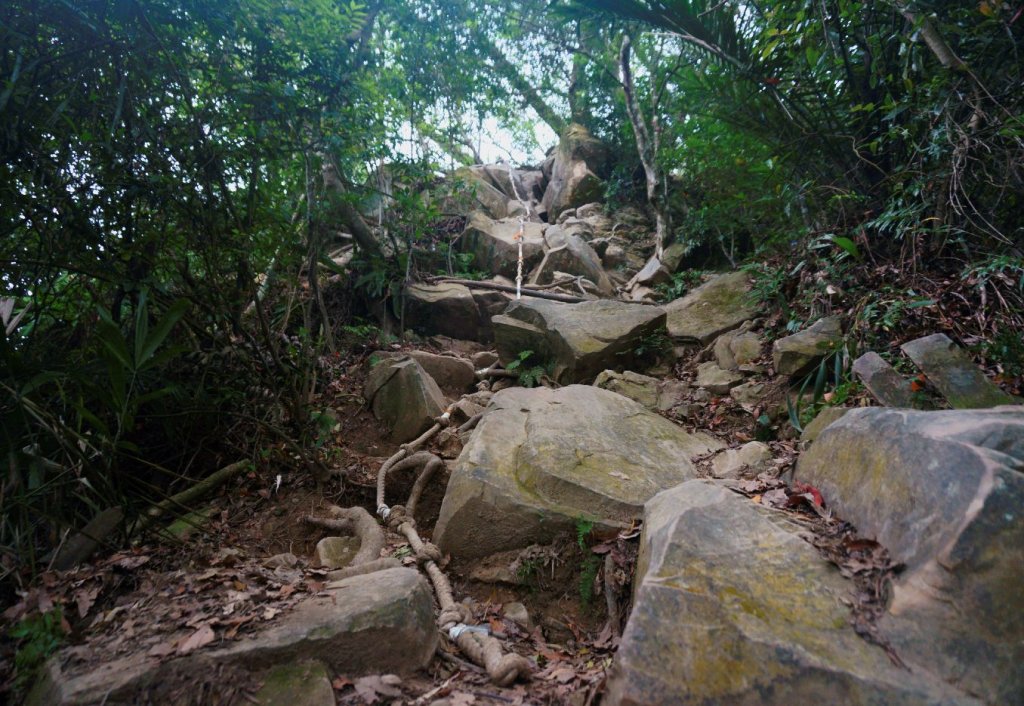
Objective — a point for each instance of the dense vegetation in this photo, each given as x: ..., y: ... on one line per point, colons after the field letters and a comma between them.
x: 176, y: 176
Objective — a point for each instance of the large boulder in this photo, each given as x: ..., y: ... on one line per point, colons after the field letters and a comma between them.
x: 404, y: 397
x: 798, y: 354
x: 944, y: 492
x: 541, y: 460
x: 453, y: 375
x: 380, y: 622
x: 732, y: 606
x: 574, y: 255
x: 443, y: 309
x: 494, y: 247
x: 721, y: 304
x: 578, y: 340
x: 580, y: 161
x: 481, y: 192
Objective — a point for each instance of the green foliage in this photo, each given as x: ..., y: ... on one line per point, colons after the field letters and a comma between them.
x: 681, y: 283
x: 835, y: 369
x: 529, y: 376
x: 38, y: 636
x: 590, y: 564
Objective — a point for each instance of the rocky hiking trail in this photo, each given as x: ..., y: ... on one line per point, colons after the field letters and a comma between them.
x: 590, y: 498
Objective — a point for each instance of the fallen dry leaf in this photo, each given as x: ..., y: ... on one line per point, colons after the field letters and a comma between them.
x: 200, y: 638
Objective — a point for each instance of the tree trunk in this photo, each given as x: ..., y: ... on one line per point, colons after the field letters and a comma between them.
x: 508, y: 71
x: 647, y: 138
x: 349, y: 214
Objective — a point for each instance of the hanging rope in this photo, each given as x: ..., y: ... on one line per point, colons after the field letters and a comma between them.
x: 522, y: 231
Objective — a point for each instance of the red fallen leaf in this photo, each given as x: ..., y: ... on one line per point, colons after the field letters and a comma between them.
x: 804, y: 488
x: 918, y: 383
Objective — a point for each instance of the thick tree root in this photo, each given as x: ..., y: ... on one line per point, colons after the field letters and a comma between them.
x: 355, y: 521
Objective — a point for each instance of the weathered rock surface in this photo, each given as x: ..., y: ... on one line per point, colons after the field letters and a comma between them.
x: 735, y: 349
x: 580, y: 340
x: 404, y: 397
x: 300, y: 684
x: 637, y: 387
x: 541, y: 459
x: 715, y: 380
x: 883, y: 382
x: 732, y: 606
x: 481, y: 192
x: 335, y: 552
x: 749, y: 394
x: 444, y: 309
x: 943, y: 491
x: 752, y: 458
x: 954, y: 374
x: 453, y: 375
x: 494, y: 247
x: 721, y: 304
x: 798, y: 354
x: 380, y: 622
x: 575, y: 174
x: 824, y: 418
x: 572, y: 254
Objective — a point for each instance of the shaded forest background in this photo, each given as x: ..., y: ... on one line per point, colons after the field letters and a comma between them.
x: 175, y: 175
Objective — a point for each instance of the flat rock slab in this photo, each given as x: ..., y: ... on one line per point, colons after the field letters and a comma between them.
x: 883, y: 382
x: 954, y: 374
x: 380, y: 622
x: 721, y: 304
x: 579, y: 340
x: 798, y: 354
x: 732, y: 606
x: 542, y: 459
x: 944, y: 492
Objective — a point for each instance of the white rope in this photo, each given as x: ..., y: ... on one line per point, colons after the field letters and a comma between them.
x: 522, y: 231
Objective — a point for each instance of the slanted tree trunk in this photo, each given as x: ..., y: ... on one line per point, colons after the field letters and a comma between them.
x: 648, y: 138
x: 339, y: 205
x: 508, y: 71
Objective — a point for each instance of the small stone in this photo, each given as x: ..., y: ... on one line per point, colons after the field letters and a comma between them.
x: 749, y: 394
x: 715, y: 380
x: 731, y: 463
x: 637, y: 387
x: 883, y: 382
x: 798, y: 354
x: 517, y: 613
x: 287, y: 560
x: 335, y: 552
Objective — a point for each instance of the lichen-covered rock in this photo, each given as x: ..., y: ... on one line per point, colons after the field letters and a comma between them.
x: 541, y: 459
x: 379, y: 622
x: 721, y: 304
x: 954, y: 374
x: 494, y: 247
x: 578, y: 340
x: 821, y: 421
x: 943, y: 492
x: 798, y: 354
x: 732, y: 606
x: 442, y: 309
x: 883, y: 382
x: 404, y: 397
x: 296, y: 684
x: 481, y: 193
x: 575, y: 173
x: 452, y: 374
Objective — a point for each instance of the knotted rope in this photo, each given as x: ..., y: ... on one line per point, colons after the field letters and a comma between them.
x: 522, y: 231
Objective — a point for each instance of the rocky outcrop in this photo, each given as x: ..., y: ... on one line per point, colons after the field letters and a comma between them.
x: 380, y: 622
x: 721, y: 304
x: 404, y: 397
x: 577, y: 340
x: 542, y: 459
x: 954, y: 374
x: 576, y: 172
x: 798, y: 354
x: 481, y: 193
x: 494, y: 247
x: 732, y: 606
x: 751, y: 458
x: 943, y: 492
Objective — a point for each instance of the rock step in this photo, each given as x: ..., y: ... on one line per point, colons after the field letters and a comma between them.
x: 954, y: 374
x: 732, y: 606
x: 380, y: 622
